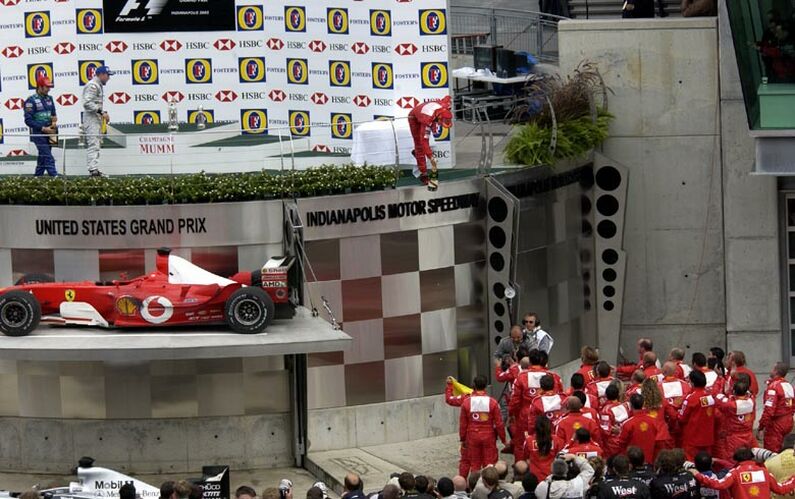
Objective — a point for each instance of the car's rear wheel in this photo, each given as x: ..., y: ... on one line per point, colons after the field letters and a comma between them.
x: 249, y: 310
x: 20, y: 313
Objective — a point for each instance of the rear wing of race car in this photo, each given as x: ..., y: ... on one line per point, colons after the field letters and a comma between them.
x: 274, y: 277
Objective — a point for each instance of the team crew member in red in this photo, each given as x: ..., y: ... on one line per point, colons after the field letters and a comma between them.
x: 637, y: 379
x: 541, y: 447
x: 747, y: 480
x: 547, y: 403
x: 696, y: 418
x: 456, y: 401
x: 589, y: 358
x: 677, y: 356
x: 626, y: 370
x: 577, y: 384
x: 612, y: 416
x: 525, y: 389
x: 583, y: 446
x: 650, y: 368
x: 598, y: 386
x: 421, y: 121
x: 737, y: 366
x: 479, y: 426
x: 664, y: 415
x: 573, y: 420
x: 736, y: 426
x: 715, y: 381
x: 674, y: 389
x: 776, y: 421
x: 640, y: 430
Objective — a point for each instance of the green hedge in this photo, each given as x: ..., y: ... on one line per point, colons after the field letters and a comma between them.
x: 193, y: 188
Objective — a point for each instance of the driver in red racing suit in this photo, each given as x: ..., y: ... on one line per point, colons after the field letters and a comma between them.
x: 454, y: 400
x: 421, y: 120
x: 479, y: 426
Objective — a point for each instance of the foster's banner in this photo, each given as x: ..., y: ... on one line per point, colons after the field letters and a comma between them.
x: 272, y: 66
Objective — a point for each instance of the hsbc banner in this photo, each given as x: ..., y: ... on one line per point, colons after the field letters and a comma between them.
x: 307, y: 68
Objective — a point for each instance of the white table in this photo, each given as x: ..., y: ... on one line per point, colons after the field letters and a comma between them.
x: 374, y: 143
x: 502, y: 81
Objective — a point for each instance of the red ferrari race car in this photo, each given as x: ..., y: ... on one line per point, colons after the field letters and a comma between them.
x: 177, y: 293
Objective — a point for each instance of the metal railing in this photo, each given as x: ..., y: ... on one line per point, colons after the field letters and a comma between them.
x: 520, y: 30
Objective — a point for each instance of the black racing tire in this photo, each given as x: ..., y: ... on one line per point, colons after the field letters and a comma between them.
x: 249, y: 310
x: 34, y: 278
x: 20, y: 313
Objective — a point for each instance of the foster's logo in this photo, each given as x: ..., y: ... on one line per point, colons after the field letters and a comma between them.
x: 144, y: 72
x: 198, y: 71
x: 249, y: 18
x: 37, y: 24
x: 295, y: 19
x: 89, y: 21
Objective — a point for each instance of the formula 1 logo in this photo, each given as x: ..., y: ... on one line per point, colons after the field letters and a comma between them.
x: 440, y: 133
x: 249, y: 18
x: 146, y: 117
x: 434, y: 74
x: 319, y: 98
x: 337, y: 20
x: 13, y: 51
x: 254, y: 121
x: 277, y: 95
x: 225, y: 96
x: 144, y: 72
x: 146, y: 7
x: 89, y: 21
x: 433, y: 22
x: 66, y: 99
x: 39, y: 70
x: 198, y: 71
x: 297, y: 71
x: 294, y: 19
x: 223, y: 44
x: 87, y: 70
x: 362, y: 100
x: 119, y: 98
x: 170, y: 45
x: 116, y: 47
x: 300, y: 124
x: 380, y: 22
x: 209, y: 114
x: 37, y: 24
x: 406, y: 49
x: 339, y: 73
x: 383, y: 77
x: 341, y: 126
x: 14, y: 103
x: 252, y: 69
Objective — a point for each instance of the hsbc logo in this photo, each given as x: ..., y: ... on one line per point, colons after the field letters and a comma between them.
x: 9, y: 2
x: 224, y: 44
x: 434, y: 48
x: 317, y: 46
x: 197, y: 45
x: 16, y: 152
x: 298, y: 97
x: 66, y: 99
x: 199, y: 96
x: 277, y: 95
x: 119, y: 97
x: 384, y: 102
x: 319, y: 98
x: 171, y: 45
x: 14, y: 103
x: 360, y: 48
x: 38, y: 50
x: 145, y: 98
x: 339, y: 47
x: 275, y: 44
x: 247, y: 44
x: 116, y: 46
x: 13, y: 51
x: 362, y: 100
x: 225, y: 96
x: 321, y: 148
x: 336, y: 99
x: 406, y: 49
x: 90, y: 47
x: 296, y: 45
x: 143, y: 46
x: 253, y: 96
x: 175, y: 96
x: 408, y: 102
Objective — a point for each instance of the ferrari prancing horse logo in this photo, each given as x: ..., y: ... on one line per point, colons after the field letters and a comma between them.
x: 69, y: 294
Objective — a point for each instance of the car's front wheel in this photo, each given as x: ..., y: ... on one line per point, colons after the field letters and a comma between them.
x: 249, y: 310
x: 20, y: 313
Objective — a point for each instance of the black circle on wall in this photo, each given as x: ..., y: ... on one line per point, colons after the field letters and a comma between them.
x: 610, y: 256
x: 499, y: 326
x: 585, y: 205
x: 497, y: 237
x: 607, y: 205
x: 587, y: 229
x: 586, y: 290
x: 608, y: 178
x: 499, y: 290
x: 586, y: 275
x: 499, y: 309
x: 497, y: 262
x: 609, y: 275
x: 609, y: 291
x: 609, y: 305
x: 606, y: 229
x: 498, y: 210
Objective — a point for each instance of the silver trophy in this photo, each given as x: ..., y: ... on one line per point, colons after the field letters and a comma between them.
x: 173, y: 124
x: 201, y: 118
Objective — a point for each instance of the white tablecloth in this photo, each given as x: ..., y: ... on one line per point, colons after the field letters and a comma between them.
x: 374, y: 143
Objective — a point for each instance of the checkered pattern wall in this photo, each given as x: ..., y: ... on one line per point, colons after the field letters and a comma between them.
x: 413, y: 303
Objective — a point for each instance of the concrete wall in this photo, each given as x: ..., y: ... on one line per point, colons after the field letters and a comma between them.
x: 701, y: 233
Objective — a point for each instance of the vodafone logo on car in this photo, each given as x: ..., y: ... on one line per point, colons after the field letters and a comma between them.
x: 406, y: 49
x: 275, y: 44
x: 119, y: 97
x: 12, y: 51
x: 225, y: 95
x: 361, y: 48
x: 171, y: 45
x: 317, y: 45
x: 408, y: 102
x: 64, y: 48
x: 66, y: 99
x: 157, y: 309
x: 14, y: 103
x: 116, y: 46
x: 319, y: 98
x: 224, y: 44
x: 362, y: 100
x: 277, y: 95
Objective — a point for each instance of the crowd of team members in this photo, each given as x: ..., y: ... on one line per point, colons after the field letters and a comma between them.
x: 646, y: 421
